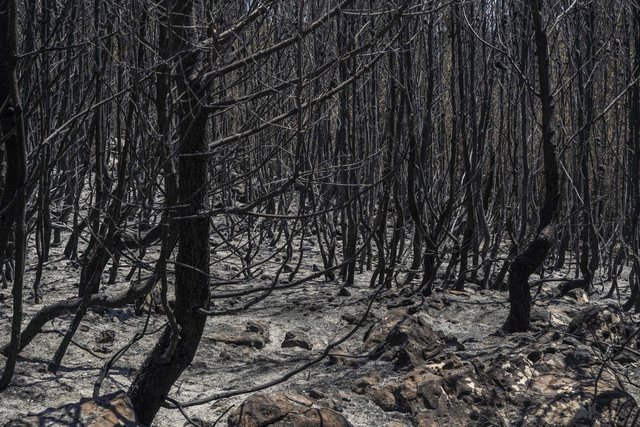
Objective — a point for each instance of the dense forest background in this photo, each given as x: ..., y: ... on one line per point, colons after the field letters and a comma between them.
x: 420, y: 146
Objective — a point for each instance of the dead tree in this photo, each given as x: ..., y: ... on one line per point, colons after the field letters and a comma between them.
x: 177, y: 346
x: 13, y: 201
x: 535, y: 253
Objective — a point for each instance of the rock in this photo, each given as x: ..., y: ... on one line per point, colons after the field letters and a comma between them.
x: 107, y: 411
x: 344, y: 292
x: 406, y: 397
x: 225, y: 355
x: 580, y: 356
x: 106, y: 337
x: 366, y: 382
x: 300, y: 399
x: 451, y: 363
x: 430, y: 391
x: 551, y: 385
x: 406, y: 339
x: 598, y: 326
x: 458, y: 384
x: 316, y: 394
x: 511, y: 373
x: 255, y: 335
x: 452, y: 341
x: 344, y: 396
x: 343, y: 357
x: 258, y: 327
x: 579, y: 295
x: 535, y: 356
x: 560, y: 316
x: 435, y: 303
x: 540, y: 318
x: 296, y: 339
x: 483, y: 417
x: 103, y: 348
x: 435, y: 397
x: 336, y: 405
x: 280, y: 410
x: 570, y: 285
x: 384, y: 398
x: 351, y: 319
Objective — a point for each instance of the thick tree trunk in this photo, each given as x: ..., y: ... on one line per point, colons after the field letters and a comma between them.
x: 533, y: 256
x: 177, y: 346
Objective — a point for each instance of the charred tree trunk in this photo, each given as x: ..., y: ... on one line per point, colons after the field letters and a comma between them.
x: 13, y: 201
x: 177, y: 346
x: 534, y: 255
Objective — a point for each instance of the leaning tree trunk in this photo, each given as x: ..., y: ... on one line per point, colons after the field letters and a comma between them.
x: 177, y: 346
x: 533, y: 256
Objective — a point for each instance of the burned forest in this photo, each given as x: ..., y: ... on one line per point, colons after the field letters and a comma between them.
x: 312, y: 213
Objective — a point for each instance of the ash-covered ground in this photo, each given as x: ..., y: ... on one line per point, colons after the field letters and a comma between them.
x: 437, y: 360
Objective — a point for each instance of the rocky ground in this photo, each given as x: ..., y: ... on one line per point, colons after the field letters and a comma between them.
x: 413, y: 361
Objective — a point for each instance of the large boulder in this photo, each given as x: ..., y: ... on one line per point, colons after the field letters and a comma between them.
x: 405, y: 339
x: 284, y: 410
x: 599, y: 325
